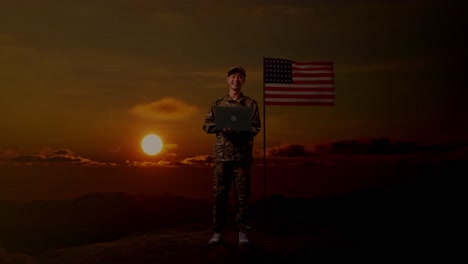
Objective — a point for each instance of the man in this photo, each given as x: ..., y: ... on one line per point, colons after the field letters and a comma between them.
x: 232, y: 157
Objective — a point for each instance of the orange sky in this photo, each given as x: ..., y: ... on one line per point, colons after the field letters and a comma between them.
x: 86, y: 80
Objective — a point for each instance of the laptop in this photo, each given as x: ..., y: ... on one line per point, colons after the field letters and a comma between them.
x: 233, y: 117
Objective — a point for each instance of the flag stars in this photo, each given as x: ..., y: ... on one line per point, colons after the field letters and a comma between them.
x: 278, y: 71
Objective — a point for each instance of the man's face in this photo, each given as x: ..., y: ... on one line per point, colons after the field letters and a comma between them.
x: 235, y: 81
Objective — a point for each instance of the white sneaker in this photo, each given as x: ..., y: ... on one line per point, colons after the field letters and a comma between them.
x: 215, y: 239
x: 243, y: 240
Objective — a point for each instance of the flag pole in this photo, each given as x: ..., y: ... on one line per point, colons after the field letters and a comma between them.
x: 264, y: 133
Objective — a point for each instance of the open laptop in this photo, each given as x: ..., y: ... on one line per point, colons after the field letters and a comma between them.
x: 233, y: 117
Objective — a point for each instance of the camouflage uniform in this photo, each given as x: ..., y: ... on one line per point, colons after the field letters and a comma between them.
x: 232, y: 157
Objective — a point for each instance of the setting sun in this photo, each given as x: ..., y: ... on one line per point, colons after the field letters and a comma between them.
x: 152, y: 144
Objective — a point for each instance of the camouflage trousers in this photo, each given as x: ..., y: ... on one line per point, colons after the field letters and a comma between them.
x: 237, y: 174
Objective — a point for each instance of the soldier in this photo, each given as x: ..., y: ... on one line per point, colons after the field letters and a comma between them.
x: 232, y: 157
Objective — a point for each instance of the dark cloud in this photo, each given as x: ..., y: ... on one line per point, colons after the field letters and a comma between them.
x: 373, y: 146
x: 60, y: 156
x: 384, y: 146
x: 290, y: 150
x: 63, y: 152
x: 27, y: 159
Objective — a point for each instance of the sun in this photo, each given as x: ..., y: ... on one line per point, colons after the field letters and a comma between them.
x: 151, y: 144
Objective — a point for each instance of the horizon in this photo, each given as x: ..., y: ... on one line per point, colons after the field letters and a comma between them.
x: 291, y: 171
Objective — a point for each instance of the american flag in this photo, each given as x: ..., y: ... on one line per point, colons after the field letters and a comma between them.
x: 289, y: 82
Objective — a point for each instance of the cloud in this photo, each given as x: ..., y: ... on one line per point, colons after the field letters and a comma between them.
x: 201, y: 160
x: 197, y: 161
x: 6, y: 154
x: 152, y: 164
x: 167, y: 108
x: 384, y: 146
x: 290, y: 150
x: 360, y: 150
x: 51, y: 156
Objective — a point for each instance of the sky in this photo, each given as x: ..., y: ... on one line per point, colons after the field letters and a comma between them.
x: 84, y: 81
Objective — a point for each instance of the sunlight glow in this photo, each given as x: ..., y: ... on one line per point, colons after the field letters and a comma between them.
x: 151, y: 144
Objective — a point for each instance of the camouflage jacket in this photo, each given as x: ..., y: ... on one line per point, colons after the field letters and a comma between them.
x: 234, y: 146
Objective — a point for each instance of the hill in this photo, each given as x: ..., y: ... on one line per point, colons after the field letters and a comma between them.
x: 420, y: 218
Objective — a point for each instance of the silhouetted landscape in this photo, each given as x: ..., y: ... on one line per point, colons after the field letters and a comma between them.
x: 413, y: 218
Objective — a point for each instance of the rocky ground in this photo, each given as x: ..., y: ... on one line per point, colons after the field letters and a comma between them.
x: 418, y: 220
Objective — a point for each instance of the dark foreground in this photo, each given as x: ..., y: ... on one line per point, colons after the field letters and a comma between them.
x: 420, y: 219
